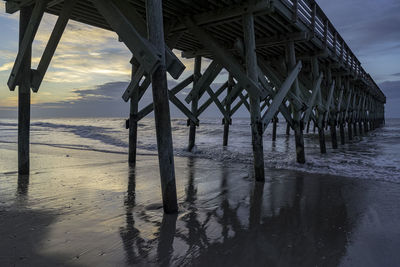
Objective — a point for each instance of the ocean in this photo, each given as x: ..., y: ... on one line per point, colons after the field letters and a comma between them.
x: 373, y: 156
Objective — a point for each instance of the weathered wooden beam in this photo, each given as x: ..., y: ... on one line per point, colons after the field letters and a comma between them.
x: 244, y: 100
x: 280, y: 96
x: 171, y: 96
x: 238, y: 105
x: 26, y: 43
x: 283, y: 39
x: 329, y: 100
x: 144, y: 51
x: 311, y: 100
x: 297, y: 127
x: 268, y: 71
x: 52, y: 44
x: 255, y: 112
x: 204, y: 81
x: 174, y: 66
x: 161, y: 105
x: 24, y: 92
x: 226, y: 59
x: 195, y: 102
x: 134, y: 83
x: 228, y: 110
x: 133, y: 123
x: 209, y: 101
x: 218, y: 103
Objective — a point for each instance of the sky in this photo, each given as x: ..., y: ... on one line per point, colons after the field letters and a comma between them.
x: 91, y: 69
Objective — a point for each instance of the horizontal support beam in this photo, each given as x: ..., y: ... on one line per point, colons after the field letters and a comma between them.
x: 226, y: 14
x: 283, y: 39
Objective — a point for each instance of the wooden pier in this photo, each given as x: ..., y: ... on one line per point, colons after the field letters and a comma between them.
x: 283, y: 57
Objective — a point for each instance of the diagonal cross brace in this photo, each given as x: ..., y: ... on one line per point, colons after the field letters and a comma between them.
x: 205, y: 80
x: 265, y: 68
x: 280, y: 96
x: 172, y: 97
x: 225, y: 58
x: 311, y: 101
x: 329, y: 102
x: 144, y: 51
x: 134, y: 84
x: 218, y: 103
x: 207, y: 103
x: 174, y: 66
x: 27, y: 40
x: 52, y: 44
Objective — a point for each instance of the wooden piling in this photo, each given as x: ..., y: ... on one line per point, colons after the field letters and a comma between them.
x: 161, y: 108
x: 274, y: 127
x: 133, y: 123
x: 297, y: 124
x: 287, y: 128
x: 24, y: 96
x: 333, y: 134
x: 195, y: 103
x: 228, y: 110
x: 255, y: 110
x: 321, y: 135
x: 350, y: 132
x: 342, y: 135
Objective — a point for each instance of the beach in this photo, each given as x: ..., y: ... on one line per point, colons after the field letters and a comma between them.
x: 88, y: 208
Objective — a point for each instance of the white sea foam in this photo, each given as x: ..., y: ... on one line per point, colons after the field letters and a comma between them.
x: 376, y: 156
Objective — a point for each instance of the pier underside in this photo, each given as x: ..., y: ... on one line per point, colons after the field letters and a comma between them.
x: 279, y: 58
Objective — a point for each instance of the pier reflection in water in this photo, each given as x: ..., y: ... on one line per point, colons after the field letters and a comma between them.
x: 234, y: 221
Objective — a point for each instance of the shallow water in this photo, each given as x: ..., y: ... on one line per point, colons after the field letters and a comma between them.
x: 90, y: 209
x: 374, y: 156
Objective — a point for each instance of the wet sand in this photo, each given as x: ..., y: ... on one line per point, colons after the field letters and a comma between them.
x: 85, y: 208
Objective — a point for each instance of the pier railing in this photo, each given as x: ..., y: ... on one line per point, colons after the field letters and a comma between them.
x: 308, y: 12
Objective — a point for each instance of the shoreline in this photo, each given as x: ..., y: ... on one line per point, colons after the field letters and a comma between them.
x: 90, y: 209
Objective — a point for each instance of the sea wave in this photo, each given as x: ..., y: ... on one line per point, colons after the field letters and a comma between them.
x: 374, y: 156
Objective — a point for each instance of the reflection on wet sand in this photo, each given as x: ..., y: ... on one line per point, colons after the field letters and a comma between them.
x: 284, y: 222
x: 109, y: 215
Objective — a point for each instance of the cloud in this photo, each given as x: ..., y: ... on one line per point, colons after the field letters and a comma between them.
x: 6, y: 66
x: 396, y: 74
x: 391, y: 89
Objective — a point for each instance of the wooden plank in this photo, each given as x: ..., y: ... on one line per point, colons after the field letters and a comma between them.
x: 26, y: 43
x: 52, y: 44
